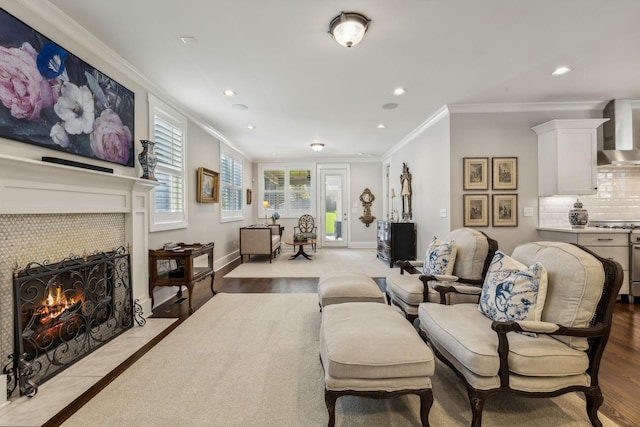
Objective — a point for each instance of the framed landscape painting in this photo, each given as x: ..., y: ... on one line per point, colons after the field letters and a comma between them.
x: 53, y: 99
x: 208, y: 186
x: 475, y: 173
x: 476, y: 210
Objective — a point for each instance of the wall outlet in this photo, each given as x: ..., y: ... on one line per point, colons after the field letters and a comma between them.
x: 527, y: 212
x: 443, y: 213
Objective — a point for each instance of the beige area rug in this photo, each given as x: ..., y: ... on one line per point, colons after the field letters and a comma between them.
x: 325, y: 260
x: 252, y: 360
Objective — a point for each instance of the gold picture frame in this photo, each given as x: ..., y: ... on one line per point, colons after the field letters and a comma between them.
x: 475, y: 173
x: 249, y: 196
x: 208, y: 186
x: 504, y: 172
x: 505, y: 210
x: 476, y: 210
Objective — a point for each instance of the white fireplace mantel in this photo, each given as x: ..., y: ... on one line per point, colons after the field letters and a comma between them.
x: 35, y: 187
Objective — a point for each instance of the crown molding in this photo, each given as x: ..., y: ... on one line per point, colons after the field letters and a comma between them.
x: 49, y: 14
x: 523, y: 107
x: 433, y: 119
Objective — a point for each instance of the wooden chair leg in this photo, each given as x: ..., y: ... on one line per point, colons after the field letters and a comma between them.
x: 426, y: 401
x: 477, y: 405
x: 594, y: 400
x: 330, y: 400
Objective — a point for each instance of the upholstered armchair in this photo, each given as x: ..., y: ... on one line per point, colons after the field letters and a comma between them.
x: 539, y: 330
x: 455, y: 270
x: 307, y: 228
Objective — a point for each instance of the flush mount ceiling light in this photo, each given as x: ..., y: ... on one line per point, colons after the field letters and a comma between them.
x: 560, y: 71
x: 399, y: 91
x: 348, y: 28
x: 316, y: 146
x: 229, y: 92
x: 188, y: 40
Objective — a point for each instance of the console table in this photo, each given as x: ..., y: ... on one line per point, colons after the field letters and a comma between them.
x: 185, y: 265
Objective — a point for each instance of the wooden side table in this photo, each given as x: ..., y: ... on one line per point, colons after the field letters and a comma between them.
x: 184, y: 266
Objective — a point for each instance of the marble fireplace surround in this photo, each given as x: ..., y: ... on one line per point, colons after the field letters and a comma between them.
x: 34, y: 187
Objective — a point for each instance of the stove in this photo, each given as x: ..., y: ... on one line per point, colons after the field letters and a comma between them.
x: 634, y: 248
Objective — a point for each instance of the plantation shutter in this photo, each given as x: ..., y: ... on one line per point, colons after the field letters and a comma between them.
x: 169, y: 151
x: 231, y: 184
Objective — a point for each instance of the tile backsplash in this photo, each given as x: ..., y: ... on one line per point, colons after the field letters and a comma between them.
x: 618, y: 198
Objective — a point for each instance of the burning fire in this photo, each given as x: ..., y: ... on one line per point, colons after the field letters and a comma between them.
x: 55, y: 304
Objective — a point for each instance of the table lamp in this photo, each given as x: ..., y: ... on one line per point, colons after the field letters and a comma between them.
x: 266, y: 206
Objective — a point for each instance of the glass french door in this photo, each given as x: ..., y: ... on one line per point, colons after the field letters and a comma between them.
x: 334, y: 208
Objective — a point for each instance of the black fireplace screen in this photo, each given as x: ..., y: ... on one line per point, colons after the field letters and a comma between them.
x: 63, y: 311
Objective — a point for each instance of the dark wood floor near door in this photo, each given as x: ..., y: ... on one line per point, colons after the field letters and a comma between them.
x: 619, y: 370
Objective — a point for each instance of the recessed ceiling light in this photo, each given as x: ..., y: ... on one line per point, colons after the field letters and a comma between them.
x: 251, y: 127
x: 188, y: 40
x: 316, y: 146
x: 381, y: 126
x: 390, y: 106
x: 399, y: 91
x: 560, y: 71
x: 240, y: 107
x: 229, y: 92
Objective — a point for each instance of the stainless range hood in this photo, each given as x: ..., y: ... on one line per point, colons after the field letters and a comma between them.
x: 618, y: 148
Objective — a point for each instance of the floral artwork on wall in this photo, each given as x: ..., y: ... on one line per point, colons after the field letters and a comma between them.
x: 53, y: 99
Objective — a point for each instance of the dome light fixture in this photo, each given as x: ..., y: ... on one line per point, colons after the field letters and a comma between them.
x: 348, y: 28
x: 316, y: 146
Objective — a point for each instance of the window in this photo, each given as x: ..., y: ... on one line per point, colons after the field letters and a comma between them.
x: 288, y: 189
x: 168, y: 130
x: 231, y: 185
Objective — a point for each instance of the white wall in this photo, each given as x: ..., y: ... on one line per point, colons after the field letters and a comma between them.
x: 503, y: 134
x: 427, y: 157
x: 365, y: 175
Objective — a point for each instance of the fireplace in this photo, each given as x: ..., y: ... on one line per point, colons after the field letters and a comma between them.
x: 63, y: 311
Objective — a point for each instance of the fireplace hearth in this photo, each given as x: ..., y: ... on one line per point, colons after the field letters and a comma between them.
x: 65, y: 310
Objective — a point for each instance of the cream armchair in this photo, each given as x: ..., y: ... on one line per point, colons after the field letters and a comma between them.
x: 539, y: 331
x: 473, y: 253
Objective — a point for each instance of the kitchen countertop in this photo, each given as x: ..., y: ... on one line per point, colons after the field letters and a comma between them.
x: 584, y: 230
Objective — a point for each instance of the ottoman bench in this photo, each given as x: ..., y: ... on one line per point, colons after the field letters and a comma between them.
x: 370, y: 350
x: 336, y: 288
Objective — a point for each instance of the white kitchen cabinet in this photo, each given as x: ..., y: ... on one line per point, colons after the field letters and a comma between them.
x: 567, y: 156
x: 613, y: 246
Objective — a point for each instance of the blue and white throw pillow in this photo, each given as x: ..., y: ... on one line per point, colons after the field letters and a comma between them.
x: 440, y: 258
x: 513, y: 291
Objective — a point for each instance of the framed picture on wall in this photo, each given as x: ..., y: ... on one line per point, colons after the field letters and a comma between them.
x: 208, y: 186
x: 475, y: 173
x: 505, y: 210
x: 476, y: 210
x: 53, y: 99
x: 505, y: 173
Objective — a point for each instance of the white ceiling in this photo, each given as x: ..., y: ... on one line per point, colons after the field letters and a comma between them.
x: 301, y: 87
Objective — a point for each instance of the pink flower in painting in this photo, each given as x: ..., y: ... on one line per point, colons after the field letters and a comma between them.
x: 110, y: 139
x: 22, y: 89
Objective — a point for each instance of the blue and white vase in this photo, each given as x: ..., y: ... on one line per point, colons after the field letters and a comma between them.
x: 578, y: 216
x: 148, y: 159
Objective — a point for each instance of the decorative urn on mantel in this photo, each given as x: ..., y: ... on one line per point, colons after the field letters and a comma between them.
x: 148, y: 159
x: 578, y: 216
